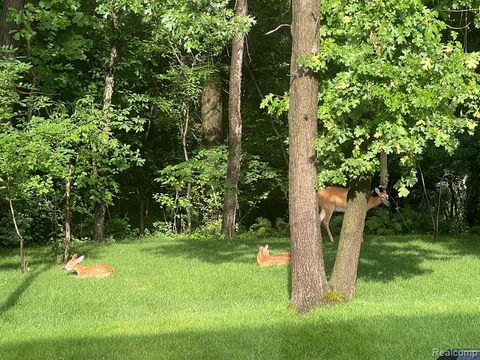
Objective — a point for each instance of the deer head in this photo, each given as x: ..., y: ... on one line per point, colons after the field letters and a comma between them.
x: 383, y: 195
x: 264, y: 250
x: 73, y: 262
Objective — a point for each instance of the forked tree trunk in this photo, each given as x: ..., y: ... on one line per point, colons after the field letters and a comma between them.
x: 68, y: 214
x: 212, y: 112
x: 234, y: 128
x: 98, y: 233
x: 308, y: 274
x: 6, y: 27
x: 344, y: 275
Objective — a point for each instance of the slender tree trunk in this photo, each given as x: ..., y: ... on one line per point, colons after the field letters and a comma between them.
x: 453, y: 200
x: 184, y: 132
x: 427, y: 199
x: 110, y: 77
x: 141, y: 198
x: 6, y: 27
x: 175, y: 212
x: 234, y: 128
x: 344, y: 275
x: 212, y: 133
x: 308, y: 274
x: 68, y: 214
x: 383, y: 170
x: 19, y: 235
x: 53, y: 220
x: 99, y: 233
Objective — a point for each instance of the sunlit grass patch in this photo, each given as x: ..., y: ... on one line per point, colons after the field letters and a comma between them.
x: 178, y: 298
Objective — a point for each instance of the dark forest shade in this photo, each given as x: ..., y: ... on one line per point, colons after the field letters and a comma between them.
x: 6, y: 27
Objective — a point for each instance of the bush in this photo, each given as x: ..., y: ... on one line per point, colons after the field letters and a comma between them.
x: 120, y: 228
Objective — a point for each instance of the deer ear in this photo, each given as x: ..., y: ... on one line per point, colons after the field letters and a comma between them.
x: 80, y: 259
x: 266, y: 246
x: 377, y: 191
x: 74, y: 256
x: 259, y: 246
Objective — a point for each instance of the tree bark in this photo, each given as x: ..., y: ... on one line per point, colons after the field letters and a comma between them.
x: 212, y: 112
x: 6, y: 27
x: 98, y: 233
x: 344, y: 275
x: 308, y: 274
x: 234, y: 128
x: 68, y: 214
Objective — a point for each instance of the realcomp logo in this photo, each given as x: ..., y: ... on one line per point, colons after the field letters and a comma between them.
x: 457, y: 354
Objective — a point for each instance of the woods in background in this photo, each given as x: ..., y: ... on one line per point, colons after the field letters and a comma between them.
x: 115, y: 120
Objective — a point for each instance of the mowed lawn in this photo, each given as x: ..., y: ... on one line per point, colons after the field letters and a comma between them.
x: 195, y: 299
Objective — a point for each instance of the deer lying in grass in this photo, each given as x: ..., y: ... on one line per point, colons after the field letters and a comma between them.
x: 264, y: 258
x: 99, y: 270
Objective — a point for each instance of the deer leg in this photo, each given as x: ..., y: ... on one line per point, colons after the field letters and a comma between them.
x: 326, y: 220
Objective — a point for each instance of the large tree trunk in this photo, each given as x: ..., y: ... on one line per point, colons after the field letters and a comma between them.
x: 344, y: 275
x: 308, y: 273
x: 234, y: 128
x: 98, y: 233
x: 7, y: 26
x: 212, y: 112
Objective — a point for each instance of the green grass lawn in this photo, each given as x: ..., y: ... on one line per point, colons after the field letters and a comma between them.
x: 192, y: 299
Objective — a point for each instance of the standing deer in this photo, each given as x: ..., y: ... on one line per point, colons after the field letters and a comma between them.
x: 335, y: 199
x: 264, y: 258
x: 99, y: 270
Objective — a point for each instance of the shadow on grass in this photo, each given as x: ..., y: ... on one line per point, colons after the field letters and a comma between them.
x: 217, y: 251
x: 15, y: 296
x: 315, y: 337
x: 380, y: 261
x: 42, y: 255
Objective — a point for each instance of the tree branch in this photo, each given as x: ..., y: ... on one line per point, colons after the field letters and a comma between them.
x: 278, y: 27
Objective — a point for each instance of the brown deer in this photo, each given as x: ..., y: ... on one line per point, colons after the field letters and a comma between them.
x: 264, y: 258
x: 99, y: 270
x: 335, y: 199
